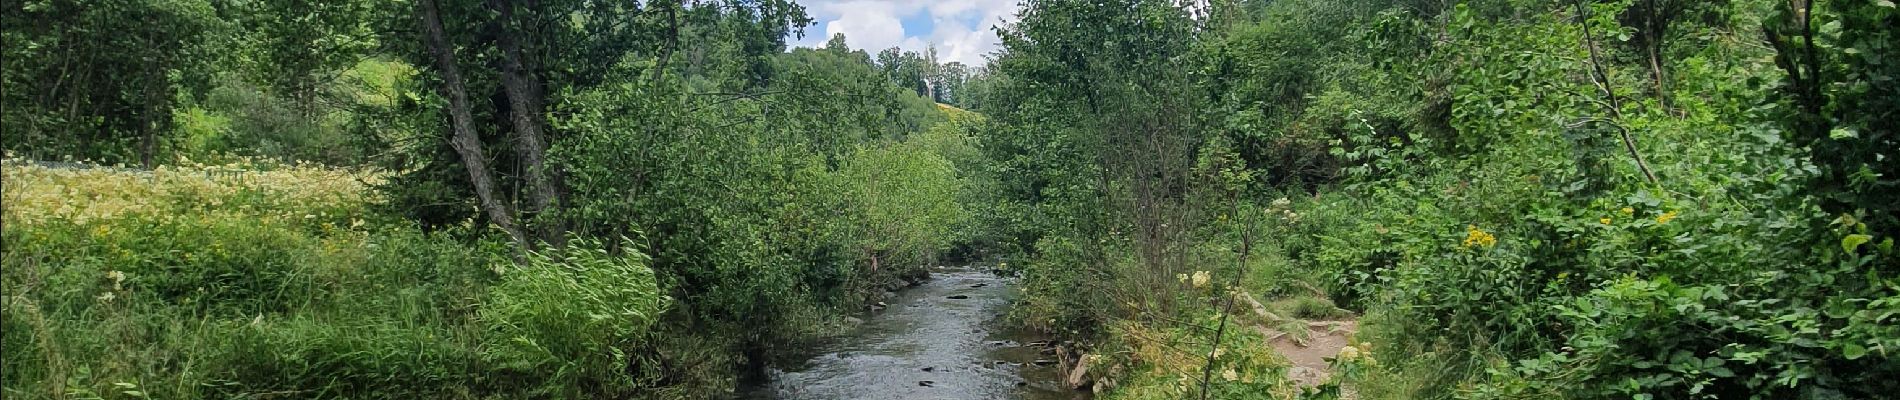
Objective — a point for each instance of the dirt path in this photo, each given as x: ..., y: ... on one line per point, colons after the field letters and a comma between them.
x: 1308, y: 358
x: 1306, y: 351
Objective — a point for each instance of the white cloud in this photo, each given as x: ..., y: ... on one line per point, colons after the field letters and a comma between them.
x: 966, y: 46
x: 960, y: 29
x: 868, y: 24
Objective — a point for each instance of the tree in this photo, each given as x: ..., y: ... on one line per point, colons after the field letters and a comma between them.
x: 531, y: 53
x: 99, y: 79
x: 1845, y: 102
x: 527, y: 99
x: 299, y: 47
x: 906, y: 68
x: 837, y: 43
x: 463, y: 137
x: 951, y: 78
x: 1653, y: 21
x: 1098, y: 134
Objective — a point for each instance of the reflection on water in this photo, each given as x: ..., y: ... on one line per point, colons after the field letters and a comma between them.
x: 943, y: 339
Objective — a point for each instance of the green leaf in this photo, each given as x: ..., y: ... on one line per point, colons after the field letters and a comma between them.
x: 1853, y: 351
x: 1849, y: 243
x: 1840, y: 309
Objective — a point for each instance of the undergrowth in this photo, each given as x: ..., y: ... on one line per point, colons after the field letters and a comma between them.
x: 274, y: 281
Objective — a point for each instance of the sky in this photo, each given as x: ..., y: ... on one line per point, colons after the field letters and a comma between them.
x: 960, y: 29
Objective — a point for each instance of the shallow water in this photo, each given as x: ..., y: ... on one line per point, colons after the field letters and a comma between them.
x: 927, y: 345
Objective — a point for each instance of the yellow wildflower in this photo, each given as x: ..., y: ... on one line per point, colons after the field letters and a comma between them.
x: 1665, y: 217
x: 1605, y: 220
x: 1475, y: 238
x: 1629, y: 211
x: 1201, y: 278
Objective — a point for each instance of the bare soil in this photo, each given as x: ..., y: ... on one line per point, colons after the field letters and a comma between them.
x: 1308, y: 357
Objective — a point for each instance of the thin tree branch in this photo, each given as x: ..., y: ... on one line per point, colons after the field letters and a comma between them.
x: 672, y: 42
x: 1246, y: 249
x: 1602, y: 80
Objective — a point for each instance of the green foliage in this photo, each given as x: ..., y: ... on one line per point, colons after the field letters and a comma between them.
x: 1473, y: 176
x: 1074, y: 185
x: 341, y: 128
x: 294, y: 47
x: 905, y: 200
x: 226, y: 307
x: 366, y: 356
x: 1841, y: 99
x: 574, y: 317
x: 99, y: 79
x: 1476, y: 189
x: 1280, y: 101
x: 765, y: 228
x: 1598, y: 285
x: 1314, y: 308
x: 773, y: 190
x: 207, y: 293
x: 1247, y: 368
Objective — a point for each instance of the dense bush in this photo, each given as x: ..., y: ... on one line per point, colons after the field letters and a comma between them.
x: 1476, y: 177
x: 1598, y: 284
x: 98, y: 80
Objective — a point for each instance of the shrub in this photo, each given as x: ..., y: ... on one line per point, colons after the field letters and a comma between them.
x: 1308, y: 307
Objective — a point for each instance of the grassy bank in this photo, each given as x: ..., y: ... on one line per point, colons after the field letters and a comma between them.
x: 265, y: 280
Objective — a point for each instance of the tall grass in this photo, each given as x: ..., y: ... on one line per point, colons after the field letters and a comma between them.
x: 264, y: 280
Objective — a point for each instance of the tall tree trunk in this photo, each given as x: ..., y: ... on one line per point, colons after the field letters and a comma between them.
x: 462, y: 123
x: 525, y: 103
x: 1656, y: 72
x: 148, y: 122
x: 1657, y: 22
x: 148, y: 143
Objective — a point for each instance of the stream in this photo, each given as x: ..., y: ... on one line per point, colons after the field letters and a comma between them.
x: 943, y: 339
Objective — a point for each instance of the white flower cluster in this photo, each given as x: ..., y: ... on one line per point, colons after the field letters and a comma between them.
x: 1284, y: 207
x: 37, y: 194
